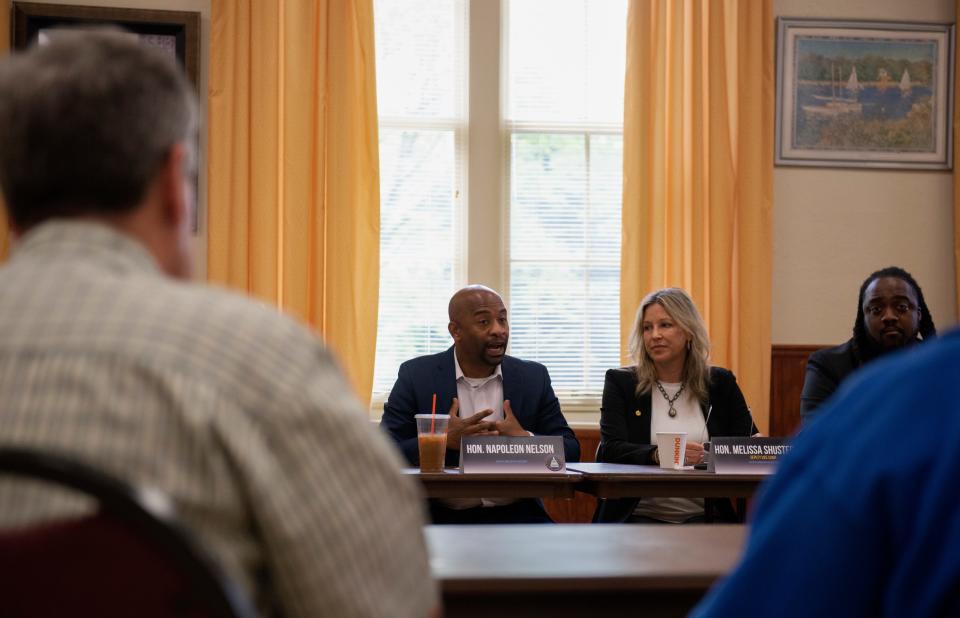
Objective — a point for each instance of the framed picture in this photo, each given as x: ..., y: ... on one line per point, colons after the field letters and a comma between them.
x: 176, y: 32
x: 864, y: 94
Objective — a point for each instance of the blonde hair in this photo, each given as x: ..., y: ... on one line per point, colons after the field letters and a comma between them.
x: 696, y: 367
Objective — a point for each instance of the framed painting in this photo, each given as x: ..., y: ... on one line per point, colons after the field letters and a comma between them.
x: 175, y: 32
x: 864, y: 94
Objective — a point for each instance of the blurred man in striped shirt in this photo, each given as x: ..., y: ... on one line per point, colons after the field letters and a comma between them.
x: 109, y: 355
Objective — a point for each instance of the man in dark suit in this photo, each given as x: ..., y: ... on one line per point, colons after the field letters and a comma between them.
x: 488, y: 393
x: 891, y: 315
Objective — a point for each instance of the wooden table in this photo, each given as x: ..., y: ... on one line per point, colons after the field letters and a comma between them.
x: 451, y: 483
x: 625, y: 481
x: 579, y: 570
x: 598, y: 479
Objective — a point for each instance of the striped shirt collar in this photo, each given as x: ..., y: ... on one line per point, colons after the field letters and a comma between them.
x: 75, y: 238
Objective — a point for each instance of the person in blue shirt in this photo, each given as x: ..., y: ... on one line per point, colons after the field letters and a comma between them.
x: 861, y: 519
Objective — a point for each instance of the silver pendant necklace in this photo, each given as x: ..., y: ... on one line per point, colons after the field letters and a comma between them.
x: 672, y: 411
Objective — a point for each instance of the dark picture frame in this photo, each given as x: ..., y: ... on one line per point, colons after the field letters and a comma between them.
x: 866, y: 94
x: 178, y: 31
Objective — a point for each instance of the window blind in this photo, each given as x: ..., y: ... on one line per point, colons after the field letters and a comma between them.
x: 564, y: 114
x: 421, y: 48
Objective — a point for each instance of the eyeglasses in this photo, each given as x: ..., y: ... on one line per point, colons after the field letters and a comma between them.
x: 899, y: 309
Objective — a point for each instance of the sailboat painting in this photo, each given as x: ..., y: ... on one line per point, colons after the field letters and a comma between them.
x: 864, y: 94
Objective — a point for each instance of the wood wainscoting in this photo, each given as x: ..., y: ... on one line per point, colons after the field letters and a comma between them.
x: 579, y: 509
x: 787, y: 370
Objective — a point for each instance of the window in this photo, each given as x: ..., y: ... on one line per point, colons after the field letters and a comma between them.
x: 557, y: 156
x: 564, y: 116
x: 421, y: 100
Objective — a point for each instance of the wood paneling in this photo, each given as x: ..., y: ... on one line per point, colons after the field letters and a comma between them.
x: 787, y: 370
x: 579, y: 509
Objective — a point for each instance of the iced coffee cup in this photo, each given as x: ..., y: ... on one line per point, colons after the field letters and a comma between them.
x: 671, y: 446
x: 432, y: 441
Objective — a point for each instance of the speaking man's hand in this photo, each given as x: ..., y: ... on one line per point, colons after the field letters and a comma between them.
x: 472, y: 425
x: 510, y: 426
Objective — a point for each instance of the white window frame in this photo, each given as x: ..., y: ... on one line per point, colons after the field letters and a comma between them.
x: 582, y: 408
x: 486, y: 188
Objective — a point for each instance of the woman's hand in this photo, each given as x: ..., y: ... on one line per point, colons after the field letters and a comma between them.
x: 693, y: 453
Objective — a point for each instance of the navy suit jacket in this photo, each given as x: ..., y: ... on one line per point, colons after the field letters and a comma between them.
x: 525, y: 383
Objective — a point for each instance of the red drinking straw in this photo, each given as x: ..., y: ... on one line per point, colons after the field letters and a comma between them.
x: 433, y: 412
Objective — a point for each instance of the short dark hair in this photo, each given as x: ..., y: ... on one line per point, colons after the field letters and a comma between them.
x: 926, y: 328
x: 86, y: 120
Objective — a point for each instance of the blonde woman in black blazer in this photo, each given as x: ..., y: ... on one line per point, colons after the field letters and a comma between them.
x: 670, y: 387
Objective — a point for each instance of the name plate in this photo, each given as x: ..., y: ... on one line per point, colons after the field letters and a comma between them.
x: 512, y: 454
x: 747, y: 455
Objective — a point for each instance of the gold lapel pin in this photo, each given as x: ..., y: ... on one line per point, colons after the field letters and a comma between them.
x: 637, y: 412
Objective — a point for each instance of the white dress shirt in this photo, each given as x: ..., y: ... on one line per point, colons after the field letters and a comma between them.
x: 476, y: 395
x: 689, y: 418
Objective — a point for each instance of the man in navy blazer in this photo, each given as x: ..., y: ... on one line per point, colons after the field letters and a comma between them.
x: 486, y: 392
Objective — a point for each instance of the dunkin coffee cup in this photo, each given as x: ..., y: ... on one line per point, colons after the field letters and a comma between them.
x: 671, y: 445
x: 432, y: 441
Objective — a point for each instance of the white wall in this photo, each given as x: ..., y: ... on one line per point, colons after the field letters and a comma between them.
x: 202, y: 7
x: 833, y: 227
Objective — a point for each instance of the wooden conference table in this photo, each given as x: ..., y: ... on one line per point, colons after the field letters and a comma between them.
x: 606, y: 480
x: 598, y: 479
x: 579, y: 570
x: 451, y: 483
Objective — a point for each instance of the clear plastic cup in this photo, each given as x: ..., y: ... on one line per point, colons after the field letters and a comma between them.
x: 432, y: 441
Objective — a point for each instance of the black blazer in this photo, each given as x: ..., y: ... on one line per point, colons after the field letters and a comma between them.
x: 826, y: 369
x: 625, y: 423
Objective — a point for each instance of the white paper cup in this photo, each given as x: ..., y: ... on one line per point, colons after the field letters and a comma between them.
x: 671, y: 445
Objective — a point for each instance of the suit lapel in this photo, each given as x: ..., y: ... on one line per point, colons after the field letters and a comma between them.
x: 642, y: 422
x: 444, y: 381
x: 513, y: 387
x: 711, y: 397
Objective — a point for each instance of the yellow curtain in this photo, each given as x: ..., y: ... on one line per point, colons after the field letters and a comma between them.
x: 294, y: 191
x: 698, y: 172
x: 4, y: 47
